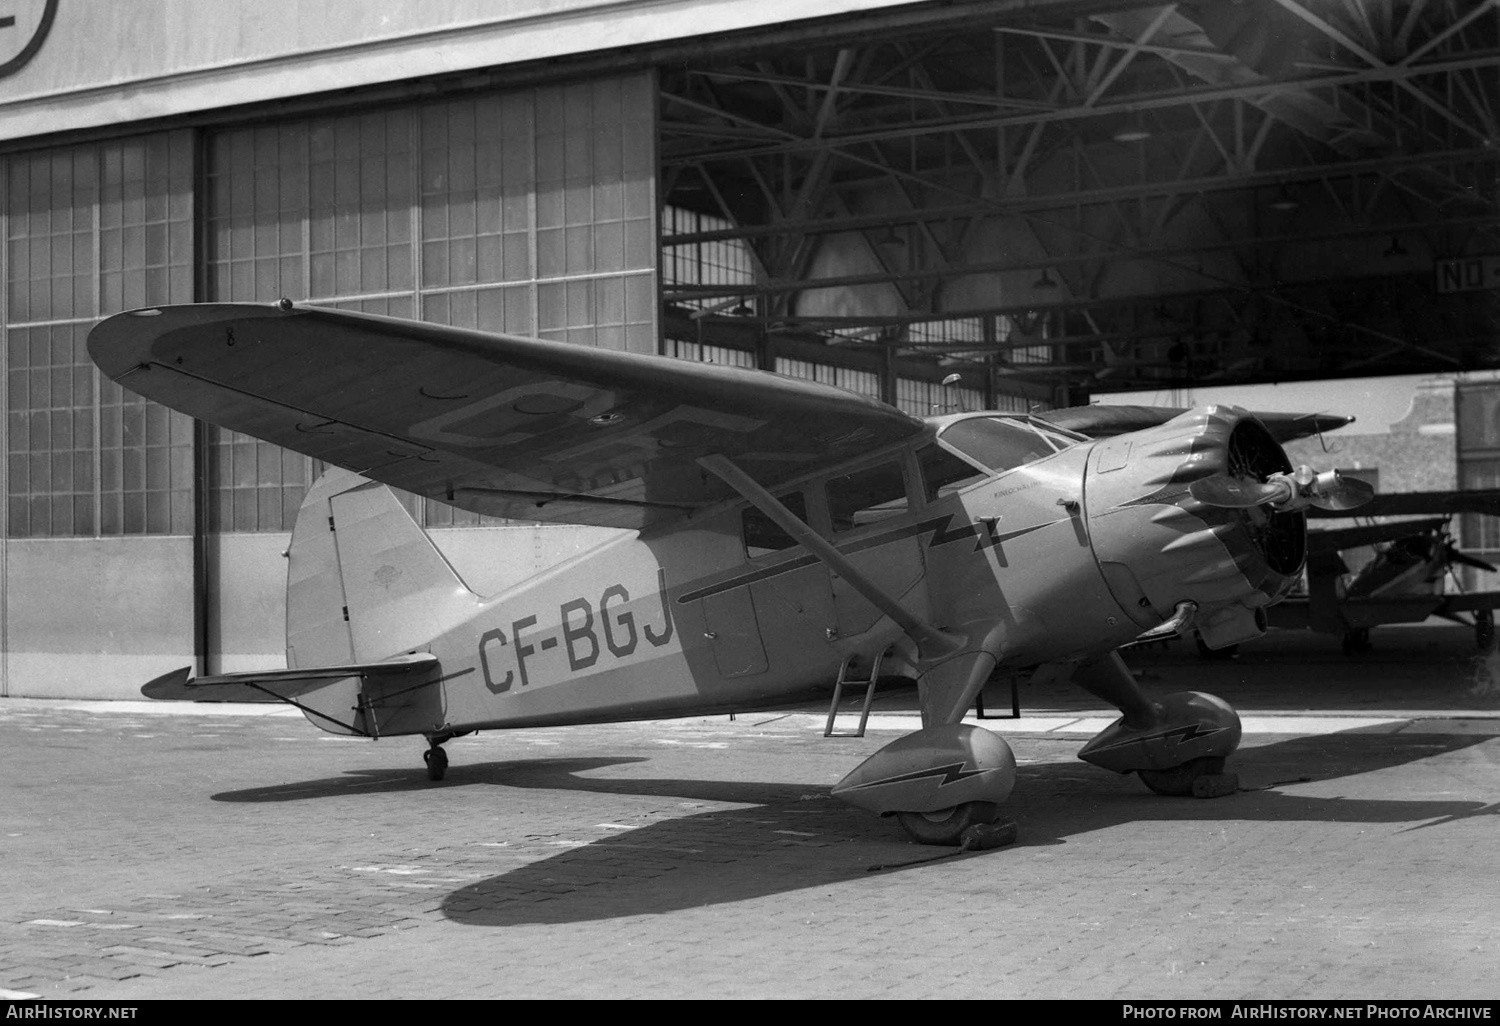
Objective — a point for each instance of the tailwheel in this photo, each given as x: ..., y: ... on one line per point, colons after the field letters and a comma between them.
x: 437, y: 762
x: 970, y: 825
x: 1200, y: 778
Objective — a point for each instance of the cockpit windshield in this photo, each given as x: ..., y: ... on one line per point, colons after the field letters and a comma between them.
x: 1004, y: 442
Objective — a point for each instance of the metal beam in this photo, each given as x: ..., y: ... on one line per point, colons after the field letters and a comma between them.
x: 1165, y: 189
x: 1127, y: 105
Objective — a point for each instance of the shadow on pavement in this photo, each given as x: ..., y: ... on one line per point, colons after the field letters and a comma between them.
x: 794, y: 836
x: 547, y: 773
x: 795, y: 841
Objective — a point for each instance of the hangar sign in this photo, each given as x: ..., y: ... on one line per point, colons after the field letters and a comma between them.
x: 1468, y: 274
x: 23, y: 28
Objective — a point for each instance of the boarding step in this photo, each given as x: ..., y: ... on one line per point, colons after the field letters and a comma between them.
x: 1014, y: 680
x: 844, y: 678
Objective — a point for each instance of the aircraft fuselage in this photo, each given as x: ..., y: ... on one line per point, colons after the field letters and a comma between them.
x: 1073, y: 554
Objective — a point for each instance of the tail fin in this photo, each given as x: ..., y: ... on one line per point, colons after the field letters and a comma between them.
x: 364, y: 581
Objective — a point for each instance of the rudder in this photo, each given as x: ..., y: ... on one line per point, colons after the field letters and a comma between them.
x: 364, y: 581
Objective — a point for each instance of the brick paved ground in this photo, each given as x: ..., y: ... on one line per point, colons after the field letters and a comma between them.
x: 198, y: 855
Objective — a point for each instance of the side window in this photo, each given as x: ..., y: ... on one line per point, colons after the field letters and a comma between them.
x: 866, y: 496
x: 761, y: 533
x: 944, y: 473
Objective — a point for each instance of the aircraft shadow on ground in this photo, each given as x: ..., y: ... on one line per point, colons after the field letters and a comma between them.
x: 794, y: 836
x: 547, y: 773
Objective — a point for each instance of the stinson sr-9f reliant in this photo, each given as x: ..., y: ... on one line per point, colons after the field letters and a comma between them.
x: 781, y: 535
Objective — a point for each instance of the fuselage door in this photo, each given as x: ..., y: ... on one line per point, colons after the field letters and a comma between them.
x: 734, y: 632
x: 732, y: 617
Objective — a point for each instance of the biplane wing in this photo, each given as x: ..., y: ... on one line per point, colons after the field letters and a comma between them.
x: 1105, y: 421
x: 496, y: 424
x: 1334, y: 539
x: 1446, y: 504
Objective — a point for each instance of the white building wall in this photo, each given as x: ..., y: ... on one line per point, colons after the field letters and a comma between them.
x: 112, y: 63
x: 95, y: 617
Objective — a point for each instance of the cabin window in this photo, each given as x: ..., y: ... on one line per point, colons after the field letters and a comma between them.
x: 1001, y: 443
x: 866, y: 496
x: 943, y: 473
x: 762, y: 535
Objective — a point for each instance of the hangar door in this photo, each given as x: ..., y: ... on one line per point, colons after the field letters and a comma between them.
x: 529, y: 211
x: 96, y: 553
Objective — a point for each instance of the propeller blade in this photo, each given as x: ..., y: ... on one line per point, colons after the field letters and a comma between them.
x: 1463, y: 559
x: 1346, y: 493
x: 1235, y: 493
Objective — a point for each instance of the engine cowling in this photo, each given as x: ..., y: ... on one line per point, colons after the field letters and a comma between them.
x: 1158, y: 546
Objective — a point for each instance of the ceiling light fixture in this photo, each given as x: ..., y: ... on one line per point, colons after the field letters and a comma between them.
x: 1133, y: 130
x: 891, y: 239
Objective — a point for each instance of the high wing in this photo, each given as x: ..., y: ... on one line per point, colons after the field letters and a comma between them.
x: 496, y: 424
x: 1105, y: 421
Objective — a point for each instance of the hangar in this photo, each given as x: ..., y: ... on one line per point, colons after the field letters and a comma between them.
x: 945, y: 205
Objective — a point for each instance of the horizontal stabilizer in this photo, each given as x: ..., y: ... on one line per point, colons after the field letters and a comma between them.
x: 278, y: 685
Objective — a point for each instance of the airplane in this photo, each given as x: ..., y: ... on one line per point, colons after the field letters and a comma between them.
x: 1402, y: 581
x: 778, y: 535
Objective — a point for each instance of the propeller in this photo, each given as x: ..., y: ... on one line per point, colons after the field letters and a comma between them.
x: 1299, y: 489
x: 1463, y: 559
x: 1332, y: 490
x: 1237, y: 493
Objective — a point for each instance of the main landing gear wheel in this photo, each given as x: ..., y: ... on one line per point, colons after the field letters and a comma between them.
x: 1204, y: 652
x: 1484, y: 629
x: 437, y: 762
x: 1357, y: 641
x: 1200, y: 778
x: 970, y: 825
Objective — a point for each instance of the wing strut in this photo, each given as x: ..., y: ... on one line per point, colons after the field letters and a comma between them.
x: 931, y: 642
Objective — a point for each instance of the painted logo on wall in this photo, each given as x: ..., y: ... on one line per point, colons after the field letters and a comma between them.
x: 24, y: 25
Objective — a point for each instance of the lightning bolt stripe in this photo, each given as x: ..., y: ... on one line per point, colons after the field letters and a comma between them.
x: 942, y: 534
x: 751, y: 578
x: 950, y: 773
x: 1187, y: 732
